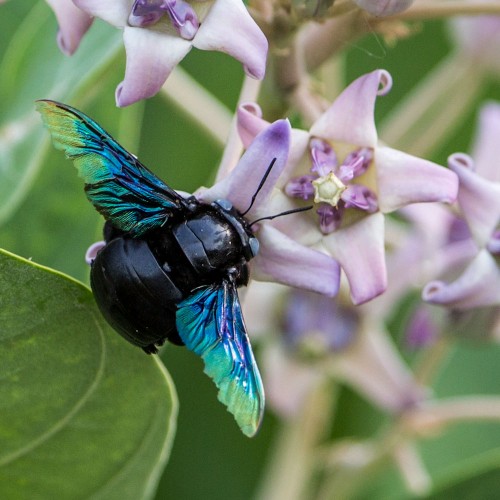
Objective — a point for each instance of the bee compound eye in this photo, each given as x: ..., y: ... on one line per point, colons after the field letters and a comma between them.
x: 254, y: 246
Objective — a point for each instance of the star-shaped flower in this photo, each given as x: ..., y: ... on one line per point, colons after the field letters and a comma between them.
x: 159, y: 33
x: 479, y: 202
x: 353, y: 180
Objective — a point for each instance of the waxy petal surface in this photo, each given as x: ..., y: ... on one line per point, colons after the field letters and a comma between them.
x: 404, y: 179
x: 285, y: 261
x: 151, y: 56
x: 478, y: 286
x: 350, y: 118
x: 359, y: 248
x: 242, y: 183
x: 114, y: 12
x: 229, y: 28
x: 486, y: 151
x: 479, y: 199
x: 73, y: 24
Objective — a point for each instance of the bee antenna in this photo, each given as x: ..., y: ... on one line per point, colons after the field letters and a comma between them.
x: 287, y: 212
x: 262, y: 182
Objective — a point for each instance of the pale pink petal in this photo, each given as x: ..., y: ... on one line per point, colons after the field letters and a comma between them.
x: 478, y: 286
x: 229, y: 28
x: 479, y: 38
x: 114, y: 12
x: 302, y: 227
x: 73, y: 24
x: 374, y: 368
x: 241, y: 184
x: 249, y: 122
x: 350, y: 118
x: 151, y: 56
x: 285, y: 261
x: 486, y: 152
x: 93, y: 250
x: 260, y: 303
x: 359, y: 248
x: 288, y: 382
x: 404, y: 179
x: 479, y: 199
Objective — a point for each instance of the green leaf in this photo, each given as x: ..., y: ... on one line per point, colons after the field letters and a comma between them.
x: 479, y: 478
x: 83, y: 413
x: 33, y: 68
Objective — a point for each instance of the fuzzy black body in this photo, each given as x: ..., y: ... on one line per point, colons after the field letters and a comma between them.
x: 138, y: 282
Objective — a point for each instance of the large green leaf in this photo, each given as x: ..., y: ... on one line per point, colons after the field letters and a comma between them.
x: 32, y: 68
x: 479, y: 478
x: 83, y: 413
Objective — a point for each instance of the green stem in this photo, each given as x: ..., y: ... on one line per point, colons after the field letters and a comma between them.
x: 432, y: 361
x: 293, y: 460
x: 199, y: 104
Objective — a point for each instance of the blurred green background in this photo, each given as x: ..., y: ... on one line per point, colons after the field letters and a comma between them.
x: 54, y: 224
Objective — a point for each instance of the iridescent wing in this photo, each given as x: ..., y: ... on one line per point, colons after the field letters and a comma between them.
x: 211, y: 324
x: 123, y: 190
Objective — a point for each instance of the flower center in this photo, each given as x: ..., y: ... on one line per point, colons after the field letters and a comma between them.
x: 331, y: 184
x: 182, y: 16
x: 328, y: 189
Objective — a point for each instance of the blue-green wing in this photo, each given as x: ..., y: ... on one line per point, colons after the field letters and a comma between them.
x: 211, y: 324
x: 123, y: 190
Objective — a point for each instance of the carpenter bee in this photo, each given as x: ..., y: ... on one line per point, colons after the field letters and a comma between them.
x: 171, y: 265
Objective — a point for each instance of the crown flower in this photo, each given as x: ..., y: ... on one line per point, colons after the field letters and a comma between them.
x: 159, y: 33
x: 353, y: 181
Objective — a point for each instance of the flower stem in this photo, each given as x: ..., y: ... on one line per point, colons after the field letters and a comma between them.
x: 432, y: 9
x: 432, y: 361
x: 293, y: 460
x: 191, y: 97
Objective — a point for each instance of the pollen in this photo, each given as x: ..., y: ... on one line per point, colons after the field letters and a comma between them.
x: 328, y: 189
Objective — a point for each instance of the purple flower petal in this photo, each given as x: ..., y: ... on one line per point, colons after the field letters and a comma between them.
x: 250, y: 123
x: 300, y: 187
x: 324, y: 159
x: 228, y: 27
x: 404, y: 179
x: 479, y: 199
x: 242, y: 183
x: 112, y: 11
x: 359, y: 248
x: 330, y: 217
x: 285, y: 261
x: 350, y: 118
x: 360, y: 197
x: 486, y: 151
x: 422, y: 330
x: 478, y: 286
x: 373, y: 367
x: 151, y: 56
x: 73, y: 24
x: 183, y: 18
